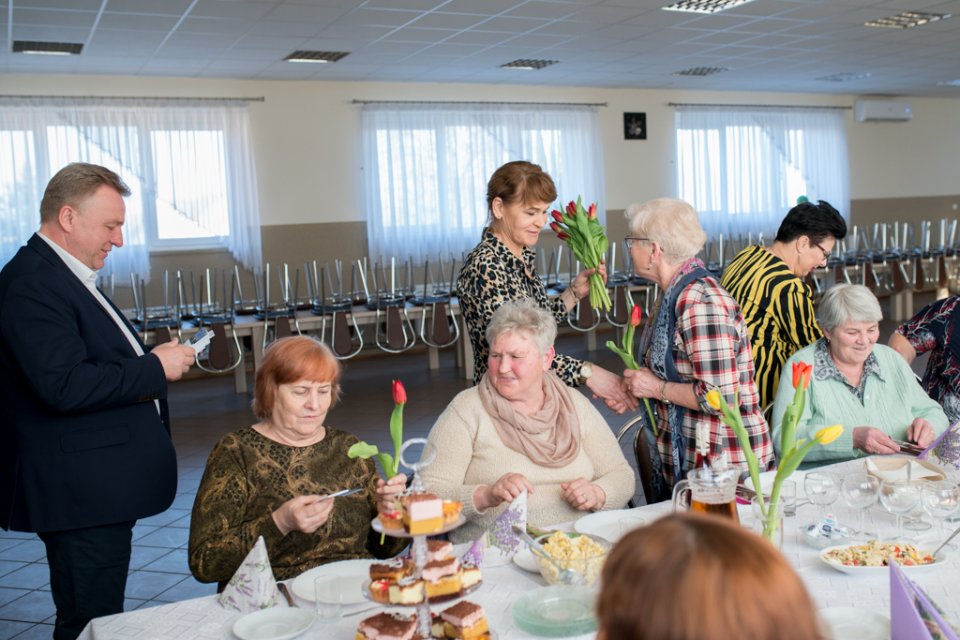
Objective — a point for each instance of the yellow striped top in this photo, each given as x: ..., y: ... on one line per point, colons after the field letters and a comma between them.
x: 778, y: 309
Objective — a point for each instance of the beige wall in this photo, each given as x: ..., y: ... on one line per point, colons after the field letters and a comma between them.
x: 306, y: 140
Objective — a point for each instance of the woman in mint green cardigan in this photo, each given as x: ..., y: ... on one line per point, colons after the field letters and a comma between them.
x: 866, y: 387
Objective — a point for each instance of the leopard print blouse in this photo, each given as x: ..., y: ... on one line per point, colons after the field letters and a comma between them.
x: 491, y: 275
x: 248, y: 476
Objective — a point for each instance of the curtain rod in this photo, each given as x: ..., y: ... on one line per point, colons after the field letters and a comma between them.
x: 547, y: 104
x: 751, y: 106
x: 257, y: 99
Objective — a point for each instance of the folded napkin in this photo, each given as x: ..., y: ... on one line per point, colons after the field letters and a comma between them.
x: 946, y: 448
x: 891, y: 469
x: 912, y: 613
x: 253, y: 586
x: 501, y: 541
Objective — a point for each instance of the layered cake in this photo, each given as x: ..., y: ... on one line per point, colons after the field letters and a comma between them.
x: 387, y: 626
x: 391, y: 519
x: 469, y: 575
x: 422, y: 513
x: 442, y: 577
x: 463, y: 620
x: 451, y: 512
x: 438, y: 549
x: 406, y: 591
x: 393, y: 569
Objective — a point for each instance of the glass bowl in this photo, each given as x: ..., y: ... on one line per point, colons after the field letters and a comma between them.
x: 577, y: 557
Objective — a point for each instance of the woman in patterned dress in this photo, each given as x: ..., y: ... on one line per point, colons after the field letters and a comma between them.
x: 268, y: 479
x: 699, y: 342
x: 501, y: 268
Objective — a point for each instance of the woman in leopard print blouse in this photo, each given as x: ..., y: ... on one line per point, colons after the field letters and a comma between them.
x: 267, y: 480
x: 501, y: 268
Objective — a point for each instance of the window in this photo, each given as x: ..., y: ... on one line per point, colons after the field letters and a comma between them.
x: 426, y: 168
x: 743, y: 168
x: 188, y: 164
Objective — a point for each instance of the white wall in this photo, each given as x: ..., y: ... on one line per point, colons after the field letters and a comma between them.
x: 306, y: 136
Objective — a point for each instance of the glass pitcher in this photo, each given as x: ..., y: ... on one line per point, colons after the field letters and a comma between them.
x: 708, y: 491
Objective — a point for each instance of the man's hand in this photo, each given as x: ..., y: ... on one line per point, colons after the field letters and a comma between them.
x: 175, y: 358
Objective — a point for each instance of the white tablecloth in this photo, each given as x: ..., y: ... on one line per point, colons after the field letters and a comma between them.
x: 203, y: 618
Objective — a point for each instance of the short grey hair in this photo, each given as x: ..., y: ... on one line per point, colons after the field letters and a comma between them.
x: 671, y: 223
x: 527, y: 317
x: 847, y: 303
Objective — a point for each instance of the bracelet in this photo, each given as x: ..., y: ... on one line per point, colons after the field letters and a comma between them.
x: 663, y: 392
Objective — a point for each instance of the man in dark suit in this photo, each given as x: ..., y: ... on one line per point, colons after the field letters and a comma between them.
x: 85, y: 445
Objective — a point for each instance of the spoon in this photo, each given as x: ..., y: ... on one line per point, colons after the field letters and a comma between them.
x: 952, y: 536
x: 566, y: 576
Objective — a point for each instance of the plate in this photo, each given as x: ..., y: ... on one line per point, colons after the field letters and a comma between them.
x: 434, y: 600
x: 352, y: 574
x: 607, y: 524
x: 557, y: 611
x: 278, y: 623
x: 525, y: 560
x: 867, y: 571
x: 399, y: 533
x: 848, y: 623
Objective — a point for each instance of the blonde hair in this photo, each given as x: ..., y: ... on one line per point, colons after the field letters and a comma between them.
x: 671, y: 223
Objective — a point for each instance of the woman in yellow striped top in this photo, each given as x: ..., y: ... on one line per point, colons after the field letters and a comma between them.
x: 767, y: 283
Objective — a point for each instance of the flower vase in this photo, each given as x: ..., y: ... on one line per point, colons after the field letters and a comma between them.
x: 770, y: 526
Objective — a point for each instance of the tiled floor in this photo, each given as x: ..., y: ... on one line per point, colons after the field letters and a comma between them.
x: 202, y: 411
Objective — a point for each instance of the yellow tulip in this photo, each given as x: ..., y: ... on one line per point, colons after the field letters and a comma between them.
x: 713, y: 399
x: 829, y: 434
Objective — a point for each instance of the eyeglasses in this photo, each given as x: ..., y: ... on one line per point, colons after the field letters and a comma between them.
x: 629, y: 240
x: 826, y: 254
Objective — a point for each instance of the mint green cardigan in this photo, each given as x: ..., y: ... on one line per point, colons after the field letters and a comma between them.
x: 890, y: 405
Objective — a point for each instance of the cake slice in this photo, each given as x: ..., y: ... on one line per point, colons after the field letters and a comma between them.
x: 422, y: 513
x: 470, y: 575
x: 451, y: 511
x: 393, y: 570
x: 438, y: 549
x: 387, y: 626
x: 406, y: 591
x: 442, y: 577
x: 465, y: 620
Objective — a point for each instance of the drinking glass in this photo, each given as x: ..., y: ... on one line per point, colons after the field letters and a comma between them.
x: 899, y: 497
x: 860, y: 491
x: 822, y: 489
x: 940, y: 500
x: 329, y: 598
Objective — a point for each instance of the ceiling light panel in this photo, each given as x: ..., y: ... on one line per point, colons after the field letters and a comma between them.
x: 906, y: 20
x: 316, y: 56
x: 704, y: 6
x: 528, y: 64
x: 48, y: 48
x: 700, y: 71
x: 845, y: 76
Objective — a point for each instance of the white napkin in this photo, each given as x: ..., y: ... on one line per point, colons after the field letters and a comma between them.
x: 890, y: 470
x: 253, y: 586
x: 501, y: 540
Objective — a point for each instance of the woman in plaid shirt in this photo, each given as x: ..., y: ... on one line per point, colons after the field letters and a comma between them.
x: 696, y: 341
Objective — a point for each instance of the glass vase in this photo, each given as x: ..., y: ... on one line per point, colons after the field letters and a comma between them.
x: 770, y: 526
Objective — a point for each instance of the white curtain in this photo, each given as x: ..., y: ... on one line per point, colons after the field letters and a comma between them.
x: 183, y: 159
x: 426, y: 167
x: 743, y: 168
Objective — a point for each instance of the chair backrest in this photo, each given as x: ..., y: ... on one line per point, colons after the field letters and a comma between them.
x: 642, y: 441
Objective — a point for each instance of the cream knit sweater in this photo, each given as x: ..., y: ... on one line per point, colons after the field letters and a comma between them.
x: 470, y: 453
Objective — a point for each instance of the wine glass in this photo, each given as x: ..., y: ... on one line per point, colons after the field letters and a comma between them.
x: 940, y: 500
x: 860, y: 491
x: 822, y: 489
x: 899, y: 497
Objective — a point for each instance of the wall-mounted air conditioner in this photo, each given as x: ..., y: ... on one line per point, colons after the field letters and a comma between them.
x: 882, y: 110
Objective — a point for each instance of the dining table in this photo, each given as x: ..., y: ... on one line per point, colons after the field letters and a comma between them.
x: 205, y: 619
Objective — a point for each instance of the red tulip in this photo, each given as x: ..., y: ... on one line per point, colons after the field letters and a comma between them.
x: 572, y: 208
x: 563, y: 236
x: 801, y: 374
x: 635, y: 316
x: 399, y: 393
x: 557, y: 229
x: 592, y: 211
x: 557, y: 215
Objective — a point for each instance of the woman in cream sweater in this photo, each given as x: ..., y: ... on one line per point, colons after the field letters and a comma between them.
x: 522, y: 428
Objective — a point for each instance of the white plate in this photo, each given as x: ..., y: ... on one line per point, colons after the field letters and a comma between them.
x: 848, y: 623
x: 278, y: 623
x: 352, y: 574
x: 607, y: 524
x: 525, y: 560
x: 867, y: 571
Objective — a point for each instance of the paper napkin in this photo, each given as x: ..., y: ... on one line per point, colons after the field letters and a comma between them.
x: 501, y: 542
x: 253, y: 586
x: 946, y: 448
x: 911, y: 611
x: 890, y: 469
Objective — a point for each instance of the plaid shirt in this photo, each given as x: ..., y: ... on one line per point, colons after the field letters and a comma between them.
x: 711, y: 349
x: 933, y: 329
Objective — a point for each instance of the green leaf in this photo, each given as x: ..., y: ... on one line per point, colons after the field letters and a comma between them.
x: 362, y: 450
x: 388, y: 463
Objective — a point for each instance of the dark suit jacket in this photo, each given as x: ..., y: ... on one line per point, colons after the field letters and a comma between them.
x: 81, y: 442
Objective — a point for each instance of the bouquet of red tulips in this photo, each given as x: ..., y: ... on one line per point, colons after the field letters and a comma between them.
x: 583, y: 233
